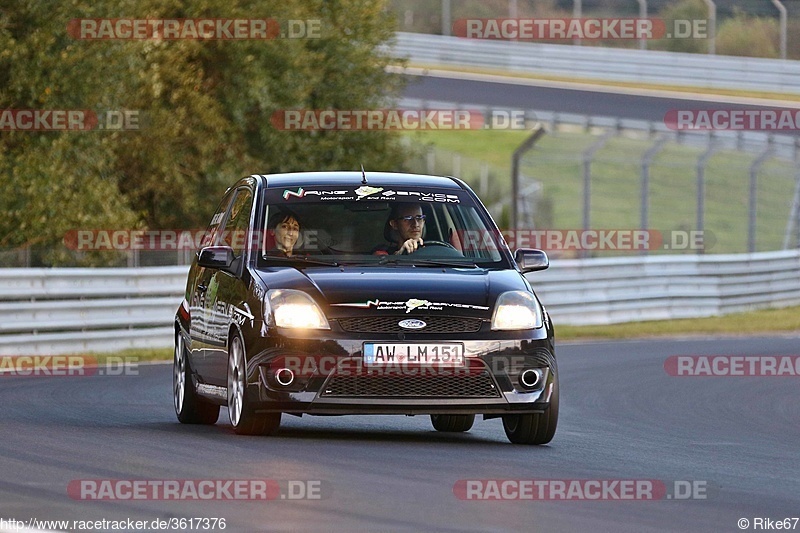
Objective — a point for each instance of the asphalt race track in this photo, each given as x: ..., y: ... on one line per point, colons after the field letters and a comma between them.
x: 622, y: 418
x: 557, y: 99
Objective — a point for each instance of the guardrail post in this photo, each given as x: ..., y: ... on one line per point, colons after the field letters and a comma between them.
x: 642, y: 15
x: 577, y: 12
x: 702, y: 161
x: 751, y: 218
x: 784, y: 17
x: 647, y: 160
x: 712, y: 26
x: 794, y: 215
x: 588, y: 155
x: 527, y: 144
x: 796, y: 149
x: 446, y: 18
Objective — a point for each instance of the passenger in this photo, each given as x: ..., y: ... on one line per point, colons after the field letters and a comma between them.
x: 404, y: 229
x: 284, y: 227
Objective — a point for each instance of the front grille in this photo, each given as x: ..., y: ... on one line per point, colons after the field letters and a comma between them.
x: 389, y: 324
x: 468, y: 386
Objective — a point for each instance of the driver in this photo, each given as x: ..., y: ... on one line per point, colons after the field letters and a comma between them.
x: 407, y: 221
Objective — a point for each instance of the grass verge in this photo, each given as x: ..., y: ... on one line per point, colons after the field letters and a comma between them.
x: 765, y: 321
x: 133, y: 356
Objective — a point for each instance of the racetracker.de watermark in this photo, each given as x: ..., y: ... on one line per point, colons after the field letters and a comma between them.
x: 580, y: 489
x: 397, y: 119
x: 772, y: 119
x: 557, y: 29
x: 425, y: 363
x: 198, y: 489
x: 569, y: 240
x: 732, y: 365
x: 206, y: 29
x: 68, y: 120
x: 554, y: 240
x: 67, y: 366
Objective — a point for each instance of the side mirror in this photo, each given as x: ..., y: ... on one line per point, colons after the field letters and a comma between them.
x: 531, y: 260
x: 219, y: 257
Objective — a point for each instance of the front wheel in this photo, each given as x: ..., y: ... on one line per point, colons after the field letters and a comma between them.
x: 244, y: 419
x: 452, y: 423
x: 536, y: 428
x: 189, y: 407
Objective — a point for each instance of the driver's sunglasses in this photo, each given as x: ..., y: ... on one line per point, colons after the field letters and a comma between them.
x: 409, y: 218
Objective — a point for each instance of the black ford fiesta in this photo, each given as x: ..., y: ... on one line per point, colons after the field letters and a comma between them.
x: 351, y: 293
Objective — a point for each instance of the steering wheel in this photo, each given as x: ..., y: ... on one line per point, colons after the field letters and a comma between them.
x: 436, y: 250
x: 438, y: 243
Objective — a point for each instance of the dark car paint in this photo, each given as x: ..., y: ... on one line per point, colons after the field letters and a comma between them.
x: 214, y: 318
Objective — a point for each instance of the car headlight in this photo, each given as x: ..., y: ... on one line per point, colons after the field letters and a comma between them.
x: 516, y: 310
x: 294, y: 309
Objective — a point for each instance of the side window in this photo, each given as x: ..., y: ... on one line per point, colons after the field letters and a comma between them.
x: 210, y: 237
x: 236, y: 229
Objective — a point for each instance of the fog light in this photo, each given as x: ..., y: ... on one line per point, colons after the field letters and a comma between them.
x: 530, y: 378
x: 284, y: 377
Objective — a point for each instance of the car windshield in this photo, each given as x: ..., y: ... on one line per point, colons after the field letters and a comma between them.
x: 369, y: 225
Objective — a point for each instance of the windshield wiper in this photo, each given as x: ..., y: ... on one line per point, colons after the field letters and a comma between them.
x: 409, y: 260
x: 301, y: 260
x: 442, y: 263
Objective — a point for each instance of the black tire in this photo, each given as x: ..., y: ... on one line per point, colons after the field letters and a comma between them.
x: 189, y: 407
x: 534, y: 428
x: 244, y: 419
x: 452, y: 423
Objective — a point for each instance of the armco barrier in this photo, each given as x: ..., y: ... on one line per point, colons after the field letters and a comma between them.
x: 611, y: 64
x: 623, y: 289
x: 73, y: 310
x: 50, y: 311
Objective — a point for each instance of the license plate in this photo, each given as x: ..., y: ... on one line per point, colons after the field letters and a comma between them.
x: 438, y: 354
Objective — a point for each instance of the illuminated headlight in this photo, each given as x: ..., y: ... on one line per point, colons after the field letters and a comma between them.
x: 516, y: 310
x: 294, y: 309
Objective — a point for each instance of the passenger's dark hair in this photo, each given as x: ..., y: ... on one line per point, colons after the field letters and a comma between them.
x: 282, y: 215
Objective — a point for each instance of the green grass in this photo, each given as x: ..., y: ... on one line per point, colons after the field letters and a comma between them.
x: 134, y: 356
x: 750, y: 323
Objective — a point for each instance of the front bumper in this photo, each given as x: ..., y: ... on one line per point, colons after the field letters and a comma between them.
x: 330, y: 378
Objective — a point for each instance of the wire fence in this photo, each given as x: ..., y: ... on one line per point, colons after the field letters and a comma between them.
x: 733, y: 192
x: 738, y: 192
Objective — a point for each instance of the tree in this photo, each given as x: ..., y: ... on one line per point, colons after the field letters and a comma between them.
x: 684, y: 10
x: 204, y: 109
x: 742, y: 35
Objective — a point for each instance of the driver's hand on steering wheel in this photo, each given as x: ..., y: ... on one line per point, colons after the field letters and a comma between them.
x: 410, y: 246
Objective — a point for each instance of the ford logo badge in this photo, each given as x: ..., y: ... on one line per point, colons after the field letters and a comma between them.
x: 412, y: 323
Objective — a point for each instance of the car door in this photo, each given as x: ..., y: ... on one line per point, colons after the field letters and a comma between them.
x: 227, y: 293
x: 199, y: 310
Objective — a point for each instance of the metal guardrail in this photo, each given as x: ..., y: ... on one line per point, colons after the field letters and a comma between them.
x: 611, y: 64
x: 52, y: 311
x: 623, y: 289
x: 74, y: 310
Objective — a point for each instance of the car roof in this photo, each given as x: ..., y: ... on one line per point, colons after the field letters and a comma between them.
x: 336, y: 178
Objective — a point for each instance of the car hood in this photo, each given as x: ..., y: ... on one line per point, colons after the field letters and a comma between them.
x: 407, y: 290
